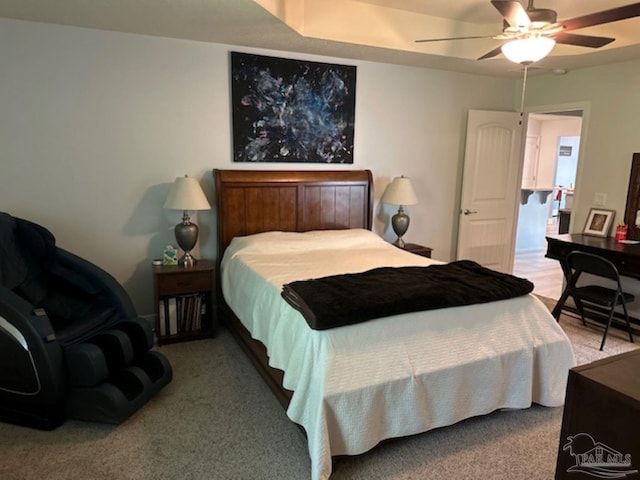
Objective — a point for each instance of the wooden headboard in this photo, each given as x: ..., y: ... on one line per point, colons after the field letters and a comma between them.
x: 254, y: 201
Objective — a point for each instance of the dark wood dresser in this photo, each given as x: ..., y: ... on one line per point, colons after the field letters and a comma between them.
x: 600, y: 435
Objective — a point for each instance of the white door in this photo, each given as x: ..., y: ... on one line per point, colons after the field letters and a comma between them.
x: 490, y: 189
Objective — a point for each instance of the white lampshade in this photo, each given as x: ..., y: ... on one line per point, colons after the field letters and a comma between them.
x: 399, y: 192
x: 186, y: 194
x: 528, y: 50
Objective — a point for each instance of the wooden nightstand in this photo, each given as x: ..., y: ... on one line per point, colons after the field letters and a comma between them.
x: 185, y: 302
x: 418, y: 249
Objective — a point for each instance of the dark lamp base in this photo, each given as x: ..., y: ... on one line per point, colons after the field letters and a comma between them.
x: 187, y: 261
x: 400, y: 224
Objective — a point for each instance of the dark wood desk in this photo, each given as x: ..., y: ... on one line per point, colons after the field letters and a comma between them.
x: 625, y: 257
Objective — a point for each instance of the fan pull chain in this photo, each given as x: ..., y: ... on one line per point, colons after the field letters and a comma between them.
x: 524, y: 86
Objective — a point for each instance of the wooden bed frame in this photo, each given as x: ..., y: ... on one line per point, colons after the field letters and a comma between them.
x: 255, y: 201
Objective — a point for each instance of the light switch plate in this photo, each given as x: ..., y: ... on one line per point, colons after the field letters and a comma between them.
x: 600, y: 199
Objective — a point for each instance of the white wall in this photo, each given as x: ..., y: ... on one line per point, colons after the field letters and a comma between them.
x: 96, y: 125
x: 611, y: 96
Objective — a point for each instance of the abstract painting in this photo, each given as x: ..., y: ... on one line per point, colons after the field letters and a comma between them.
x: 291, y: 111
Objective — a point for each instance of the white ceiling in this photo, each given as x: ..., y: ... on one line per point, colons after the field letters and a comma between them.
x: 374, y: 30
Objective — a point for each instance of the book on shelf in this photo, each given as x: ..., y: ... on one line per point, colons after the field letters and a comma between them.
x: 163, y: 314
x: 182, y: 313
x: 173, y: 316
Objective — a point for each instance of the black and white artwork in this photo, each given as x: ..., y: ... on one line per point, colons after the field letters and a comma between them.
x: 291, y: 111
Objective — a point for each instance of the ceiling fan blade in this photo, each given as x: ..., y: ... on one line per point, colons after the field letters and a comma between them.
x: 451, y: 38
x: 606, y: 16
x: 582, y: 40
x: 513, y: 12
x: 493, y: 53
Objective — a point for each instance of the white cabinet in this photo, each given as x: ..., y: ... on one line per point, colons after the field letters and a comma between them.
x: 538, y: 172
x: 531, y: 157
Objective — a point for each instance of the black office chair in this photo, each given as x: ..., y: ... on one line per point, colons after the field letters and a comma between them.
x: 589, y: 297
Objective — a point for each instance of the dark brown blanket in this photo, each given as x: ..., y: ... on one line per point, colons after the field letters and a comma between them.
x: 340, y: 300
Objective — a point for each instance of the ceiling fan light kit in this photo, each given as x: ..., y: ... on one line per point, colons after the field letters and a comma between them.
x: 525, y: 51
x: 531, y: 33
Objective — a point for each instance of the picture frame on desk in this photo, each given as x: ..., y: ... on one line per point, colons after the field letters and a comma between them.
x: 599, y: 222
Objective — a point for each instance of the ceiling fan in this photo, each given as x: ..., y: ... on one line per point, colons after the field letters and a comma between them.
x: 540, y: 26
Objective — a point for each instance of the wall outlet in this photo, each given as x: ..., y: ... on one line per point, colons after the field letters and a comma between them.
x: 600, y: 199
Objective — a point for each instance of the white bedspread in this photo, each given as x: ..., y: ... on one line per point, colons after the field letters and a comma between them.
x: 390, y: 377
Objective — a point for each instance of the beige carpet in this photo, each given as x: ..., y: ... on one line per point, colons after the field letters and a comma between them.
x: 218, y: 420
x: 586, y: 340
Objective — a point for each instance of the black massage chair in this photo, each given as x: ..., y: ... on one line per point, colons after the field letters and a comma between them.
x: 71, y: 345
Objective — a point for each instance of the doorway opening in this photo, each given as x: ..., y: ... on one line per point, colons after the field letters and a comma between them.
x: 549, y: 171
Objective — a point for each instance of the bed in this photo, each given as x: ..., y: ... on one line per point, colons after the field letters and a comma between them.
x: 354, y: 386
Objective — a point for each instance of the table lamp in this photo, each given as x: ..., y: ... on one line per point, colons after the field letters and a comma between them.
x: 400, y: 192
x: 186, y: 194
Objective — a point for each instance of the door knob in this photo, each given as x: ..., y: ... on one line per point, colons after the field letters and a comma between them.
x: 469, y: 212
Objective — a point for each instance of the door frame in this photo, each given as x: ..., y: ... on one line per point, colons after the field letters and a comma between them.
x: 585, y: 107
